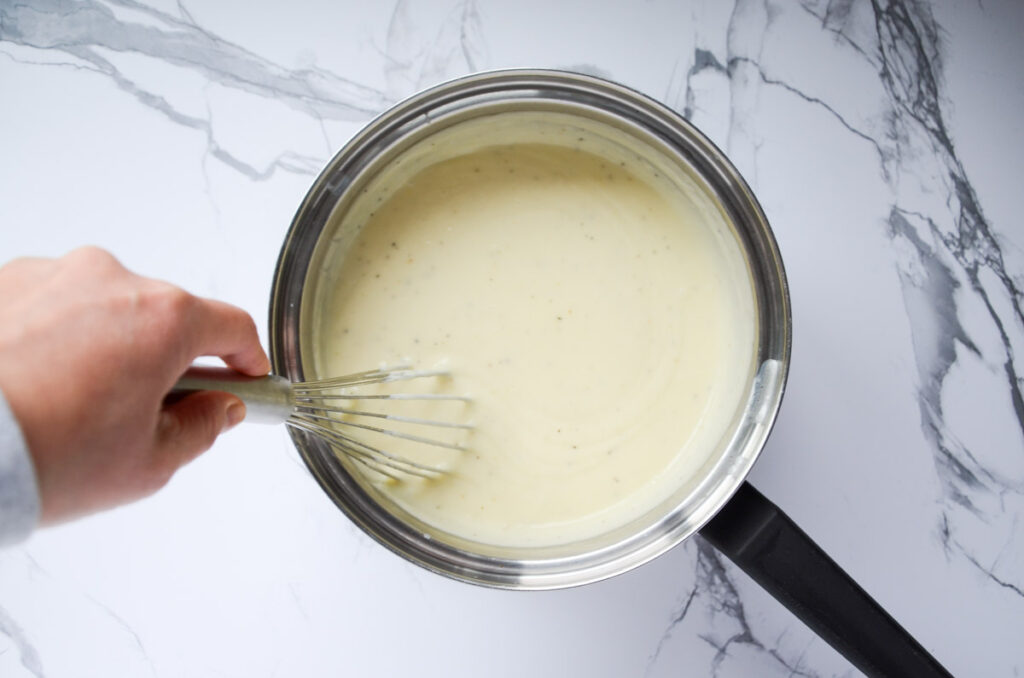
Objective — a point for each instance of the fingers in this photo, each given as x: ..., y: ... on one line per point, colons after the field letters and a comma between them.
x: 207, y: 326
x: 228, y: 332
x: 202, y: 327
x: 189, y: 427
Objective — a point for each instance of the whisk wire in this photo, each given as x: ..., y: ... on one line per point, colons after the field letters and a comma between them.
x: 398, y: 373
x: 330, y: 409
x: 386, y: 431
x: 314, y: 410
x: 382, y: 396
x: 310, y: 407
x: 371, y: 456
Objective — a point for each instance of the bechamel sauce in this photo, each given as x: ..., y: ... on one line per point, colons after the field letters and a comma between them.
x: 600, y: 317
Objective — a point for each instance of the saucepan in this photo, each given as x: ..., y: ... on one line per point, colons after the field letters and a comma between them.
x: 718, y: 504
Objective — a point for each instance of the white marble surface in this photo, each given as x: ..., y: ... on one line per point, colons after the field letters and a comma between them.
x: 885, y: 143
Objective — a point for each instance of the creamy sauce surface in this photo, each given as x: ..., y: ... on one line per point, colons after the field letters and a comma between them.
x: 601, y: 324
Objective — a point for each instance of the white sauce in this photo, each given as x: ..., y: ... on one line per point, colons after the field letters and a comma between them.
x: 600, y: 317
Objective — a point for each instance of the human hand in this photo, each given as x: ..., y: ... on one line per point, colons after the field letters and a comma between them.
x: 88, y: 351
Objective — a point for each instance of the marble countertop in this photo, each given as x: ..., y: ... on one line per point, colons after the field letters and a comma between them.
x: 885, y: 142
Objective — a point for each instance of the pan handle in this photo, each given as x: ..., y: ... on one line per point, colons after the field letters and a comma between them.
x: 766, y: 544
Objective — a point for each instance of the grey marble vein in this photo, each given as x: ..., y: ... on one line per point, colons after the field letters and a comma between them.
x: 29, y: 657
x: 677, y: 618
x: 418, y: 57
x: 88, y: 29
x: 683, y: 96
x: 948, y: 253
x: 950, y: 541
x: 127, y: 628
x: 474, y: 47
x: 725, y: 625
x: 964, y: 259
x: 714, y: 597
x: 883, y: 154
x: 940, y: 256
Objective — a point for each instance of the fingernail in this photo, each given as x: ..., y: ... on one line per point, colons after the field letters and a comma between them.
x: 235, y: 415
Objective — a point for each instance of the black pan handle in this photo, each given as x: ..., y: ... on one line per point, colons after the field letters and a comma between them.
x: 762, y: 540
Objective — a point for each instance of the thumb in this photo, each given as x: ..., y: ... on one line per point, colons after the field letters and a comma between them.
x: 188, y: 427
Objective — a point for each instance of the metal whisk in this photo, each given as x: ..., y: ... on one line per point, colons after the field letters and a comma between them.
x: 318, y: 407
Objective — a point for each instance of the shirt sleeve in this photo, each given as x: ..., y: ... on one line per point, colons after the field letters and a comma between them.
x: 19, y: 494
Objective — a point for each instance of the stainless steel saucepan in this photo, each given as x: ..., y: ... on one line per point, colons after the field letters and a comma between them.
x: 719, y: 504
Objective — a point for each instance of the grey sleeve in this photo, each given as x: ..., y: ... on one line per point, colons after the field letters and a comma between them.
x: 19, y: 494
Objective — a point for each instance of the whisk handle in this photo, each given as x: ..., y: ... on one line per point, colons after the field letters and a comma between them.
x: 268, y: 400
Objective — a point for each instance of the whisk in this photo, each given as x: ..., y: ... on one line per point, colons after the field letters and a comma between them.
x: 318, y: 407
